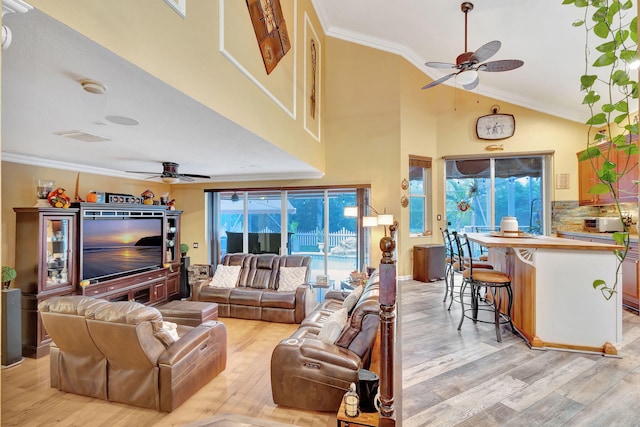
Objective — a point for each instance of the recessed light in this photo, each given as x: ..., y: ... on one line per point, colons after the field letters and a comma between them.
x: 121, y: 120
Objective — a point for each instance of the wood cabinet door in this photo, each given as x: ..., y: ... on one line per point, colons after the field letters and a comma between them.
x: 627, y: 188
x: 587, y: 178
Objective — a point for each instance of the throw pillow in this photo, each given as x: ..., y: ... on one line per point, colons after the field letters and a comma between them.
x: 333, y: 326
x: 172, y: 329
x: 226, y: 276
x: 291, y: 278
x: 352, y: 299
x: 165, y: 337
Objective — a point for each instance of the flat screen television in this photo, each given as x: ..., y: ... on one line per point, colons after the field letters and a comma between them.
x: 113, y: 247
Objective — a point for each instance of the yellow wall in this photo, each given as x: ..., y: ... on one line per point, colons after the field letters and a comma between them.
x: 374, y: 116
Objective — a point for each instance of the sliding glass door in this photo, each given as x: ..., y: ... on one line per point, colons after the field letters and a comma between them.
x: 479, y: 192
x: 307, y: 222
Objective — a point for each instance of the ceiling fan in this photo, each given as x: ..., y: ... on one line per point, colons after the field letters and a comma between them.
x: 469, y: 63
x: 170, y: 174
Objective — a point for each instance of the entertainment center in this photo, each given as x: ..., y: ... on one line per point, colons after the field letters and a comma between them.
x: 119, y: 252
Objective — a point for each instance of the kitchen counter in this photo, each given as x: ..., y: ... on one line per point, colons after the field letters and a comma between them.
x: 593, y: 235
x: 554, y: 303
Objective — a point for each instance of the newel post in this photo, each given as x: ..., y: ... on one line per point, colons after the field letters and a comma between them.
x: 388, y: 291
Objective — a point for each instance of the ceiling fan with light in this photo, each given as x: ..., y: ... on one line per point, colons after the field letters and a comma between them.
x: 170, y: 174
x: 469, y: 63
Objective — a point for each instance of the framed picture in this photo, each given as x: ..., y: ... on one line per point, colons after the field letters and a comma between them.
x: 180, y: 6
x: 271, y: 31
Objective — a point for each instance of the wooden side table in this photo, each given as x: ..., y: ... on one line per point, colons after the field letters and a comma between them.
x: 365, y: 419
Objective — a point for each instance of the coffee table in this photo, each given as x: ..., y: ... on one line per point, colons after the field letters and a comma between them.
x: 188, y: 313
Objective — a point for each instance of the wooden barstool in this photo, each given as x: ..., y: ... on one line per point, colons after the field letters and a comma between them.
x: 493, y: 281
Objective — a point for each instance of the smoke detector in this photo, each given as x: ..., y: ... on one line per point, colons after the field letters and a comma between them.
x: 93, y: 86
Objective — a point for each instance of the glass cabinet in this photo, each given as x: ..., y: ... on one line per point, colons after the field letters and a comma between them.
x: 58, y: 252
x: 45, y: 254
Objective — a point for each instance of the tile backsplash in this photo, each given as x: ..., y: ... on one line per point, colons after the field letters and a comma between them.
x: 568, y: 215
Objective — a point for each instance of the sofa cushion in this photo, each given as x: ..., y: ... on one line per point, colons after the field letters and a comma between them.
x: 226, y: 276
x: 246, y: 296
x: 278, y: 299
x: 353, y: 297
x: 291, y: 278
x: 213, y: 294
x: 263, y: 271
x: 332, y: 327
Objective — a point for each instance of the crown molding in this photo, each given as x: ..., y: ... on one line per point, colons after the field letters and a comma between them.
x: 15, y: 6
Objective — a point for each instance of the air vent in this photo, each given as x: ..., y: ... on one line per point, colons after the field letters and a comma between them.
x: 81, y: 136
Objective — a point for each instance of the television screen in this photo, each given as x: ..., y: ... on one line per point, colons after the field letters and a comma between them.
x: 112, y: 247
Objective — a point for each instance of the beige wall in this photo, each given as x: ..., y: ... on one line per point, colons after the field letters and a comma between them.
x: 374, y: 116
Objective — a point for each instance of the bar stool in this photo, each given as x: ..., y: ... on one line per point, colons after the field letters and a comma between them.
x: 458, y: 263
x: 494, y: 282
x: 449, y: 259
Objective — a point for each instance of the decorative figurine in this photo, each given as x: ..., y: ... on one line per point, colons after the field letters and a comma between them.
x: 58, y: 199
x: 171, y: 205
x: 147, y: 197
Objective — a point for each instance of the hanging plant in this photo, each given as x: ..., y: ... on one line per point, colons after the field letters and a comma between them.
x: 609, y: 90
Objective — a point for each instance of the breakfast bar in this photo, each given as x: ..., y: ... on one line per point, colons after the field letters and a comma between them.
x: 554, y: 302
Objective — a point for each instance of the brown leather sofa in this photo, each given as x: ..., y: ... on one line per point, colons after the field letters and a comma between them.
x: 120, y: 352
x: 308, y: 373
x: 256, y: 296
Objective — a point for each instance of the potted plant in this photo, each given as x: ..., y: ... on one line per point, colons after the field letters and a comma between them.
x: 184, y: 248
x: 8, y: 274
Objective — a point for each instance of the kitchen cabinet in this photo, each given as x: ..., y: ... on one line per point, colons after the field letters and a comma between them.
x: 45, y: 263
x: 626, y: 188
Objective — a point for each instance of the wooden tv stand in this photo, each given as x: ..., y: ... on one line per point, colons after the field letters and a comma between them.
x: 149, y: 287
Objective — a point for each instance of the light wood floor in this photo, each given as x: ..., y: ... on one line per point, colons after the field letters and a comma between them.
x: 450, y: 378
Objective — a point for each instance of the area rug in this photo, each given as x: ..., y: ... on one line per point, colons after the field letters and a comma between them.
x: 232, y: 420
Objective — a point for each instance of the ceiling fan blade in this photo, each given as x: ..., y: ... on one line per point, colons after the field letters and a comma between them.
x: 472, y: 85
x: 440, y: 80
x: 440, y: 65
x: 192, y: 175
x: 502, y: 65
x: 486, y: 51
x: 146, y: 173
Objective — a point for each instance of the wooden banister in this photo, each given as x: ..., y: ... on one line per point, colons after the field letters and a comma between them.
x: 388, y: 294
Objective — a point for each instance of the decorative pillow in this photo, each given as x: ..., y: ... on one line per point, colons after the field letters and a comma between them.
x: 352, y: 299
x: 333, y: 326
x: 226, y: 276
x: 172, y: 329
x: 291, y: 278
x: 166, y: 333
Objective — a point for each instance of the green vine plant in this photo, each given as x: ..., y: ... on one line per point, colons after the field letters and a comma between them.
x: 611, y: 128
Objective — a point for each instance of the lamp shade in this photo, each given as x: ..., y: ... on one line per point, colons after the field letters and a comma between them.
x: 369, y: 221
x: 351, y: 211
x: 385, y: 219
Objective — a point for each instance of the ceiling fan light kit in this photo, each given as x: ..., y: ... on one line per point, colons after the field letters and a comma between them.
x: 469, y: 63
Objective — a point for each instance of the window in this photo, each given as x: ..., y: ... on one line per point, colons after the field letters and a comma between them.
x: 419, y: 195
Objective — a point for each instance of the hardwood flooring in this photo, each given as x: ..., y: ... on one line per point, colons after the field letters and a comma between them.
x: 467, y: 378
x: 449, y: 378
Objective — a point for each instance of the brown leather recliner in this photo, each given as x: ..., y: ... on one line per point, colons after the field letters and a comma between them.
x: 144, y: 366
x: 308, y: 373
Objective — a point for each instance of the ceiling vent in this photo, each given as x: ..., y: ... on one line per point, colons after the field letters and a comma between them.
x: 81, y: 136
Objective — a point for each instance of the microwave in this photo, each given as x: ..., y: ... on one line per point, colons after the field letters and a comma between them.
x: 603, y: 224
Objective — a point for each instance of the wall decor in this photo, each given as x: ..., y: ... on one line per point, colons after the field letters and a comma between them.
x: 271, y: 31
x: 312, y: 72
x: 495, y: 126
x: 312, y: 98
x: 180, y: 6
